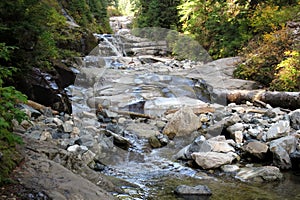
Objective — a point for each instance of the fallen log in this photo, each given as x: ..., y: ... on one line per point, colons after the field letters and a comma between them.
x: 134, y: 114
x: 119, y: 140
x: 100, y: 108
x: 288, y: 100
x: 196, y: 110
x: 40, y: 107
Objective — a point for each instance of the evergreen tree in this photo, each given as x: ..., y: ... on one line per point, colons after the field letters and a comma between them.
x: 158, y: 13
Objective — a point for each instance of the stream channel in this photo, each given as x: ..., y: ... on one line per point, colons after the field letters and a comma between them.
x: 149, y: 85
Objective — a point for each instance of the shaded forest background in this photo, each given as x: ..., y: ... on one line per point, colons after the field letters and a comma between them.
x: 36, y: 34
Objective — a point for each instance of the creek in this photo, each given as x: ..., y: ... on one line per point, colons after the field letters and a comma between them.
x: 147, y: 84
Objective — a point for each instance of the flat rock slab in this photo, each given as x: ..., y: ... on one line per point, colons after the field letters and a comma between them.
x: 260, y: 174
x: 55, y: 180
x: 219, y: 74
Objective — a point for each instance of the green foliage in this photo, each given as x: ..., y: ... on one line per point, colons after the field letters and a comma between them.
x: 9, y: 97
x: 157, y: 13
x: 220, y: 27
x: 10, y: 159
x: 128, y: 7
x: 223, y: 28
x: 272, y: 57
x: 266, y: 62
x: 39, y: 29
x: 30, y: 25
x: 91, y: 14
x: 288, y: 76
x: 267, y: 18
x: 185, y: 47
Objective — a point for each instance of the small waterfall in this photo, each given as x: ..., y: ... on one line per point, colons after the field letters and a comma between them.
x: 110, y: 42
x: 70, y: 19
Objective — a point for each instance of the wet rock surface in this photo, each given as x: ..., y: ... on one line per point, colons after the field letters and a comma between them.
x: 199, y: 192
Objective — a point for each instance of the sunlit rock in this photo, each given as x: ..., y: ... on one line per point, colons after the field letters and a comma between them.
x: 230, y: 168
x: 220, y: 144
x: 211, y: 160
x: 183, y: 122
x: 277, y: 130
x: 295, y: 119
x: 259, y: 174
x: 256, y: 149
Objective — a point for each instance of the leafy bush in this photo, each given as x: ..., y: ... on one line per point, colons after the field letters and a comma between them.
x: 9, y: 97
x: 157, y: 13
x: 221, y: 27
x: 288, y: 76
x: 266, y: 61
x: 185, y: 47
x: 269, y: 17
x: 272, y: 57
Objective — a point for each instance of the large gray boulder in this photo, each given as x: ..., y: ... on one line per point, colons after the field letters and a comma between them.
x: 183, y: 123
x: 295, y: 119
x: 220, y: 144
x: 219, y: 74
x: 281, y: 149
x: 61, y: 178
x: 200, y: 144
x: 256, y: 149
x: 277, y: 130
x: 211, y: 160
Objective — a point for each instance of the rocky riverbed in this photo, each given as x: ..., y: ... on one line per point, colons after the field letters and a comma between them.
x: 243, y: 142
x: 152, y: 127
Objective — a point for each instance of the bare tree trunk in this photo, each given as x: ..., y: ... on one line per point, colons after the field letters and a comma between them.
x: 289, y: 100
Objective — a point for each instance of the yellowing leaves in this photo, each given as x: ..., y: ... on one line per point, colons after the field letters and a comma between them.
x: 288, y: 76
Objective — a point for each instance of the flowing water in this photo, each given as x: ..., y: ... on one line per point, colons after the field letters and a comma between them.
x: 154, y: 174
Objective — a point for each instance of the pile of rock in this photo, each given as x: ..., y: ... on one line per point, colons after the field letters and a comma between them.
x: 244, y: 134
x: 240, y: 134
